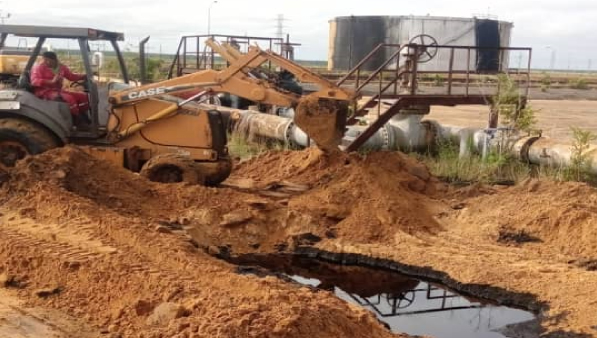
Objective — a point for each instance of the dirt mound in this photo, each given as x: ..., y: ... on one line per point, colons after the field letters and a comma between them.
x: 128, y: 256
x: 314, y: 167
x: 366, y: 198
x: 309, y: 166
x: 370, y: 199
x: 90, y: 233
x: 71, y: 170
x: 74, y: 176
x: 362, y: 198
x: 560, y: 214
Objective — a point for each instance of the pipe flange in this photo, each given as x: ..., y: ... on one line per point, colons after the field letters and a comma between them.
x: 385, y: 138
x: 288, y: 135
x: 526, y: 146
x: 432, y: 136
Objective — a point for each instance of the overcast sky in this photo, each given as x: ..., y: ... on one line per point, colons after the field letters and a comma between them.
x: 568, y: 27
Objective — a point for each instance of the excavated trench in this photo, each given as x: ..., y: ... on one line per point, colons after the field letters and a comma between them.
x: 124, y: 254
x: 404, y: 303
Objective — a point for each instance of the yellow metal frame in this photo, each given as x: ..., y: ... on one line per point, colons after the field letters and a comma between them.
x: 237, y: 80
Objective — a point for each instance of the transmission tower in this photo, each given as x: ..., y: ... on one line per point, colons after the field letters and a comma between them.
x: 280, y: 26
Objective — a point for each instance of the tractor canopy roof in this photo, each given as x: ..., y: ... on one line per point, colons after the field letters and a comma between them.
x: 60, y: 32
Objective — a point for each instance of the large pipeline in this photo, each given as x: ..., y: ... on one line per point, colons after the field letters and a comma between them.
x: 547, y: 152
x: 410, y: 133
x: 403, y: 132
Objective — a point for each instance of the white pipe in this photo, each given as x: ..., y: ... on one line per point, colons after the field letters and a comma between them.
x: 547, y: 152
x: 404, y: 132
x: 410, y: 133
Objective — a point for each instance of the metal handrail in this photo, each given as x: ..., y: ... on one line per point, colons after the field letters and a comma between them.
x: 380, y: 69
x: 359, y: 65
x: 359, y: 86
x: 204, y: 59
x: 383, y: 90
x: 364, y: 60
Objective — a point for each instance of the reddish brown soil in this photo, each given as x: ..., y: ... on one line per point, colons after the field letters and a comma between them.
x: 360, y: 198
x: 323, y: 120
x: 90, y: 235
x: 561, y: 215
x: 535, y: 239
x: 127, y: 256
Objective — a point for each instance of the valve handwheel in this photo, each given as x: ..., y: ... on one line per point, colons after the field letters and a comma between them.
x: 400, y: 300
x: 429, y: 51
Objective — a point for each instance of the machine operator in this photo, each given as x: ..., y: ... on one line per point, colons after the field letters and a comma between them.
x: 46, y: 79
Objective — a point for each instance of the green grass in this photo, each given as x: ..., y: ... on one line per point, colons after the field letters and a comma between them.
x: 447, y: 165
x: 244, y: 148
x: 580, y: 161
x: 579, y: 83
x: 240, y: 147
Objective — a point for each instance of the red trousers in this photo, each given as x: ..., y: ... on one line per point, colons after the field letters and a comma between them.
x: 78, y: 102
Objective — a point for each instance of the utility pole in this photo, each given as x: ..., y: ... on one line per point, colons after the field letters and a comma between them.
x: 280, y: 31
x: 568, y: 62
x: 552, y: 60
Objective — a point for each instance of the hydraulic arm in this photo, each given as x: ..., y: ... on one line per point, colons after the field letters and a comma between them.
x: 322, y: 114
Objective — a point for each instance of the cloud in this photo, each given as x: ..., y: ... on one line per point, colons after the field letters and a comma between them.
x: 566, y: 26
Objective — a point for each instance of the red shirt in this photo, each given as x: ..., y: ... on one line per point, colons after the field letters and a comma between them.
x: 41, y: 72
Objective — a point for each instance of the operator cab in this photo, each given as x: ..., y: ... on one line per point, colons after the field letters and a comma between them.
x: 92, y: 52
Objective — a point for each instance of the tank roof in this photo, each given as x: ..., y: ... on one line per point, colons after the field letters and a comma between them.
x: 416, y: 17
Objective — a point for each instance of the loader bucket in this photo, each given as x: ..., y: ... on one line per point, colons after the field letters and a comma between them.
x: 323, y: 120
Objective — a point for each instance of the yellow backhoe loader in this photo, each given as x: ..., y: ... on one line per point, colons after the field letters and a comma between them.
x: 322, y: 114
x: 151, y: 129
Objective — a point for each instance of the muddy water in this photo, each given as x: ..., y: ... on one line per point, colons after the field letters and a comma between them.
x: 404, y: 304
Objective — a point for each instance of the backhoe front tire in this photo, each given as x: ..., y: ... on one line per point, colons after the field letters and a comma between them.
x: 19, y: 138
x: 172, y: 168
x: 215, y: 172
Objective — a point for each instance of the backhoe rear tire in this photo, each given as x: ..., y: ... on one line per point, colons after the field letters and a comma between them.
x: 19, y: 138
x: 172, y: 168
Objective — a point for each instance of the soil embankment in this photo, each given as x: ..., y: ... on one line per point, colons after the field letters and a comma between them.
x: 132, y: 258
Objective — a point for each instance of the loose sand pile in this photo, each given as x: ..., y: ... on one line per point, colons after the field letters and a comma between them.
x: 562, y: 215
x: 364, y: 199
x: 102, y: 244
x: 129, y: 256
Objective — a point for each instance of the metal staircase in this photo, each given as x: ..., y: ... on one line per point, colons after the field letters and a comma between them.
x: 395, y: 82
